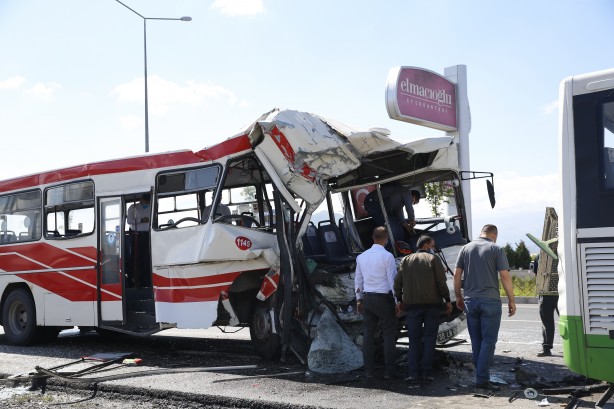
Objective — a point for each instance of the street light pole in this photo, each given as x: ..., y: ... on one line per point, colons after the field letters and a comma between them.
x: 185, y: 18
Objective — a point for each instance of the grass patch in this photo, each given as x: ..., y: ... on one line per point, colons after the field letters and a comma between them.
x: 523, y: 287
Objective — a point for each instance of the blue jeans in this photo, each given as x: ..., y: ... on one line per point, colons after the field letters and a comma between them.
x: 418, y: 350
x: 483, y: 322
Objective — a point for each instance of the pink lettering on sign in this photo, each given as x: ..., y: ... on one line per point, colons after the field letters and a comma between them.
x: 243, y: 243
x: 421, y: 97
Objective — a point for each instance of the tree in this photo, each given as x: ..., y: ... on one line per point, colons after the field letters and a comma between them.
x: 248, y: 193
x: 523, y: 257
x: 511, y: 255
x: 438, y: 193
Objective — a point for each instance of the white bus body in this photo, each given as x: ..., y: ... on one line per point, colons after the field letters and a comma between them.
x: 68, y: 257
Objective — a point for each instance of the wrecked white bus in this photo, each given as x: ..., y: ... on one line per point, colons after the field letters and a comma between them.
x: 230, y: 240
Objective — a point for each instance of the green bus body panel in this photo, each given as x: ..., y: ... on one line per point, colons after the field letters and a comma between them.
x: 594, y: 361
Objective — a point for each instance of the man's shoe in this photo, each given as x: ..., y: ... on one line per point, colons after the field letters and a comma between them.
x: 545, y: 352
x: 412, y: 380
x: 427, y: 379
x: 488, y: 386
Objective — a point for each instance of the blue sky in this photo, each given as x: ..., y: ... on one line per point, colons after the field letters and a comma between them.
x: 71, y: 78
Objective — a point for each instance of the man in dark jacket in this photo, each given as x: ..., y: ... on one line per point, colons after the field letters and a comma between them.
x: 396, y: 198
x: 421, y: 285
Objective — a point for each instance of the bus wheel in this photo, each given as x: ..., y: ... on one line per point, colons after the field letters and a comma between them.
x: 19, y: 318
x: 265, y: 341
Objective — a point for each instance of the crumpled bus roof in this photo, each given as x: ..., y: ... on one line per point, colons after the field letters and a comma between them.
x: 306, y: 151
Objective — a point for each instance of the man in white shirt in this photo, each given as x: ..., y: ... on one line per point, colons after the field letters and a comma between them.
x: 138, y: 214
x: 374, y: 283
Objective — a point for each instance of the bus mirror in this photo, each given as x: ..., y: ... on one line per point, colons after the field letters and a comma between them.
x: 491, y: 193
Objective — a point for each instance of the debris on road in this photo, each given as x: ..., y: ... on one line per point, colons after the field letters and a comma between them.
x: 332, y: 350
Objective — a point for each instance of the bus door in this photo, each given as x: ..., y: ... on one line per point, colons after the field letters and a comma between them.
x: 111, y: 305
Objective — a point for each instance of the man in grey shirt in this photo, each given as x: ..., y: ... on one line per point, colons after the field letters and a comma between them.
x: 480, y: 261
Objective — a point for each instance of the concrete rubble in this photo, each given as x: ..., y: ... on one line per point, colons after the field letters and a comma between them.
x: 332, y: 350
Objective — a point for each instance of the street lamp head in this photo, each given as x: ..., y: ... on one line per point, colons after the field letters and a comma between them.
x: 186, y: 18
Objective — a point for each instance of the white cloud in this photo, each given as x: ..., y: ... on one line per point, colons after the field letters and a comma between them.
x: 238, y: 7
x: 12, y: 83
x: 517, y: 194
x: 550, y: 107
x: 43, y: 91
x: 163, y: 94
x: 131, y: 122
x: 521, y: 202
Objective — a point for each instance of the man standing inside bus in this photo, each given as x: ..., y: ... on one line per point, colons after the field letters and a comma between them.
x: 480, y: 261
x: 138, y: 266
x: 374, y: 284
x: 395, y: 198
x: 138, y: 214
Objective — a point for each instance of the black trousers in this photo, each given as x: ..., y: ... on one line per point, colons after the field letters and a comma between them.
x: 547, y: 306
x: 379, y: 308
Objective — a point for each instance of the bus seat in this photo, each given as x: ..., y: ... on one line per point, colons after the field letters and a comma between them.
x: 344, y: 233
x: 336, y: 251
x: 442, y: 238
x: 312, y: 246
x: 72, y: 232
x: 8, y: 237
x: 247, y: 221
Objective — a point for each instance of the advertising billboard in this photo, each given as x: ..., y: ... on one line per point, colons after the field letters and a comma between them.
x: 421, y: 97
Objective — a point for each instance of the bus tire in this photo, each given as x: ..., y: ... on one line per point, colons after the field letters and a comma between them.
x: 19, y: 318
x: 266, y: 342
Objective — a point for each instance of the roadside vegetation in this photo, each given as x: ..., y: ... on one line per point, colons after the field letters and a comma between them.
x: 523, y: 287
x: 518, y: 257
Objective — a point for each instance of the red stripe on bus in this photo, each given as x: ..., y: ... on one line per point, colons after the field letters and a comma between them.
x: 43, y: 253
x: 228, y: 147
x: 65, y: 287
x: 160, y: 281
x: 89, y: 252
x: 180, y: 295
x: 286, y: 149
x: 71, y: 289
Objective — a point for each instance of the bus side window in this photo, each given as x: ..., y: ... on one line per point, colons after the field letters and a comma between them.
x: 69, y: 210
x: 20, y: 217
x: 182, y: 197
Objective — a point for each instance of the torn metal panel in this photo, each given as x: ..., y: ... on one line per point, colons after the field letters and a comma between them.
x: 214, y: 243
x: 306, y: 150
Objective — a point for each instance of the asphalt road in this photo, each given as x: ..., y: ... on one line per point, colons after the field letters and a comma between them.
x: 286, y: 384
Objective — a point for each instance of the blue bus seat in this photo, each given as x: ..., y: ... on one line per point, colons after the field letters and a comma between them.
x: 312, y: 246
x: 336, y: 251
x: 442, y: 238
x: 344, y: 233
